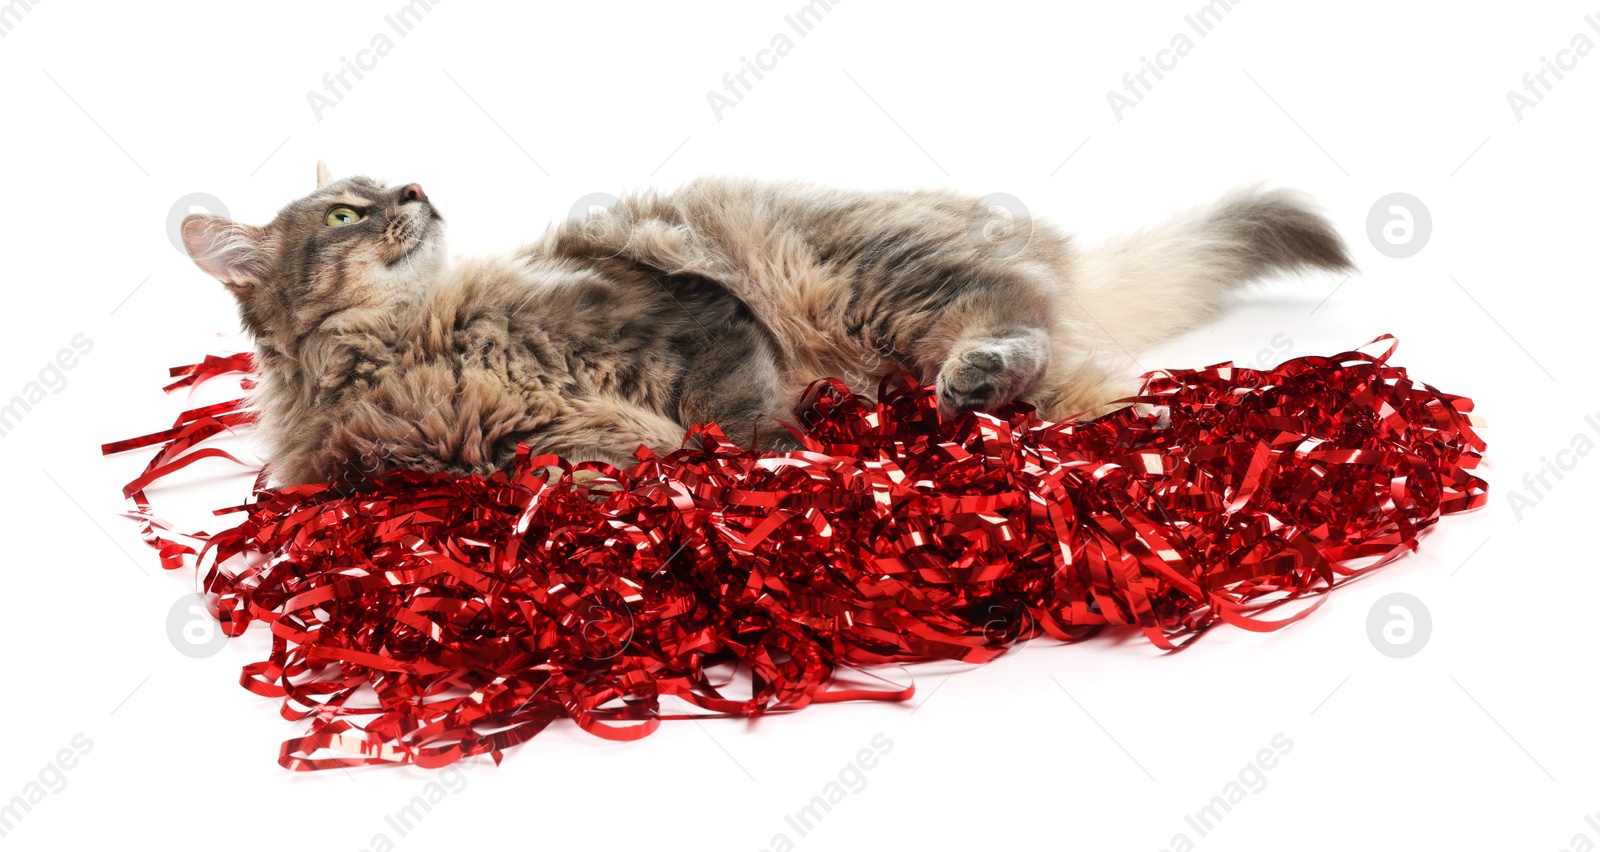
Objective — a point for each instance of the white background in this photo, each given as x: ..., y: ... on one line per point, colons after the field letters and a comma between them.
x: 508, y: 115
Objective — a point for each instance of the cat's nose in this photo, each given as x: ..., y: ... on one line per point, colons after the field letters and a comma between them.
x: 413, y: 192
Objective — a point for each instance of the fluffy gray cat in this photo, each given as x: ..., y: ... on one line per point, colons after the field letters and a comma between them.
x: 719, y: 302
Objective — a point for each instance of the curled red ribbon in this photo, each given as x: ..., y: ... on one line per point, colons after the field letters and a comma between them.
x: 423, y: 618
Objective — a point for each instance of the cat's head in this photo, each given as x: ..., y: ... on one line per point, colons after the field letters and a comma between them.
x: 353, y: 243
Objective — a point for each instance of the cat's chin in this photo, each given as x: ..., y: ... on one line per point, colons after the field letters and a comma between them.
x: 424, y: 248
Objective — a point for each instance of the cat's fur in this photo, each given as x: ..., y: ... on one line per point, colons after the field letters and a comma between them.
x: 718, y: 302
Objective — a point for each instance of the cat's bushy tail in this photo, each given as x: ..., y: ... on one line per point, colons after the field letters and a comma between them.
x: 1143, y: 287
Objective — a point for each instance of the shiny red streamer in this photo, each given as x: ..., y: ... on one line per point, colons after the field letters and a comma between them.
x: 421, y: 618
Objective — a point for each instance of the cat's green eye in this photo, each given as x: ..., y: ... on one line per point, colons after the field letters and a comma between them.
x: 343, y: 216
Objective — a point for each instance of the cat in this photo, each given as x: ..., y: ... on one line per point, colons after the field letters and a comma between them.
x: 719, y: 302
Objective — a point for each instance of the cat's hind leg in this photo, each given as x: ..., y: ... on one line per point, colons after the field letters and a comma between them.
x: 990, y: 344
x: 987, y: 370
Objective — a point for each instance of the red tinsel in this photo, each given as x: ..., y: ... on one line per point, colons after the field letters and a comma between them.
x: 459, y: 616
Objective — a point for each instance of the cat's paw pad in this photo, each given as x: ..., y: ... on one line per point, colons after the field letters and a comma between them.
x: 972, y: 381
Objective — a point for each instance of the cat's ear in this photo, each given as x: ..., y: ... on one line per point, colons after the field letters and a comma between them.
x: 324, y: 176
x: 228, y: 251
